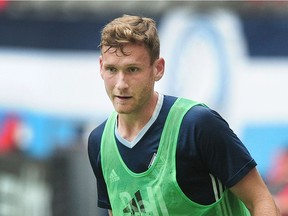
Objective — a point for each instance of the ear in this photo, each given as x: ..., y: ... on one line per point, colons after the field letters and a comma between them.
x: 159, y: 67
x: 101, y: 65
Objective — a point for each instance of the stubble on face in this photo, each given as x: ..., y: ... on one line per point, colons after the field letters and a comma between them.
x: 129, y: 92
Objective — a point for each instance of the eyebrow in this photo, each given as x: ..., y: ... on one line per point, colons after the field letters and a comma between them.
x: 126, y: 65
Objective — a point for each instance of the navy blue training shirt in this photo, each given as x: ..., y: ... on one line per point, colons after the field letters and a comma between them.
x: 209, y: 155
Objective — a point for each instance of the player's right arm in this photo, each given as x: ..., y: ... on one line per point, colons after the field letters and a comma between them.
x: 110, y: 212
x: 94, y: 142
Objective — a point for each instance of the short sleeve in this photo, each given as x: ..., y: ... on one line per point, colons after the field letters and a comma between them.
x: 221, y: 150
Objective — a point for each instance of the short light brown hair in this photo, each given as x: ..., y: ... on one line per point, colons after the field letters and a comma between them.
x: 131, y: 29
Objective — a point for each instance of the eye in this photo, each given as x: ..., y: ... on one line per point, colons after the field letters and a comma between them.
x: 133, y: 69
x: 111, y: 69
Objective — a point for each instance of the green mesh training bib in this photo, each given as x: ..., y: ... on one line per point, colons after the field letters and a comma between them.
x: 155, y: 192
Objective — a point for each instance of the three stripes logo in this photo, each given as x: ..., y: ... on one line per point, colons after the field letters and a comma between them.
x: 144, y: 203
x: 135, y: 206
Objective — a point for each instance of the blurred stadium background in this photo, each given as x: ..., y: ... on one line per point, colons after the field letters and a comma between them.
x: 231, y: 55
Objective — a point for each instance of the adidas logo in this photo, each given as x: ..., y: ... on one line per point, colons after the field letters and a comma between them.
x: 113, y: 176
x: 135, y: 206
x: 148, y: 203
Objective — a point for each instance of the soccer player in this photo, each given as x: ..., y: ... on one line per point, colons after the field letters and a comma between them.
x: 162, y: 155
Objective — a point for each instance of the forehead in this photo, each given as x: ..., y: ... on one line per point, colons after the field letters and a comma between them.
x: 137, y: 52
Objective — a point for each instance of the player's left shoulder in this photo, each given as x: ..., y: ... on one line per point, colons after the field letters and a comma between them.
x: 203, y: 115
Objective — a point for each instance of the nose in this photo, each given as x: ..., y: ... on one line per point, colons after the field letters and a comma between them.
x: 121, y: 82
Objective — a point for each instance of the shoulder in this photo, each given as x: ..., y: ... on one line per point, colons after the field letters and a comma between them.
x: 209, y: 128
x: 168, y: 102
x: 202, y: 129
x: 204, y: 117
x: 199, y: 115
x: 94, y: 140
x: 96, y: 132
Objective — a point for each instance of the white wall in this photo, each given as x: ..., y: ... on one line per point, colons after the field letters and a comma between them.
x: 55, y: 82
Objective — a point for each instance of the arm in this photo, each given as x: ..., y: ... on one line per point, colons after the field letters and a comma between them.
x: 94, y: 141
x: 110, y: 212
x: 255, y: 195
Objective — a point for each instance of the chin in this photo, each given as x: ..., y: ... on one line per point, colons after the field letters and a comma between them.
x: 121, y: 110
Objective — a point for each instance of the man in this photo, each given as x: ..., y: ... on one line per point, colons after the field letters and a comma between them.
x: 162, y: 155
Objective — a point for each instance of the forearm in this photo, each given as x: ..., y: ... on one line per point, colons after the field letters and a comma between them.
x: 264, y: 207
x: 255, y: 195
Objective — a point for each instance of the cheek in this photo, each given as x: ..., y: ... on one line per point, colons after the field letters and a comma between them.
x: 147, y: 85
x: 109, y: 85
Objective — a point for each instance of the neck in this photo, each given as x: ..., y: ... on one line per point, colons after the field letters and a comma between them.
x: 129, y: 125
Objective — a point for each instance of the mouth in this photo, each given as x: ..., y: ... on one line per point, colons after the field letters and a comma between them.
x: 122, y: 98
